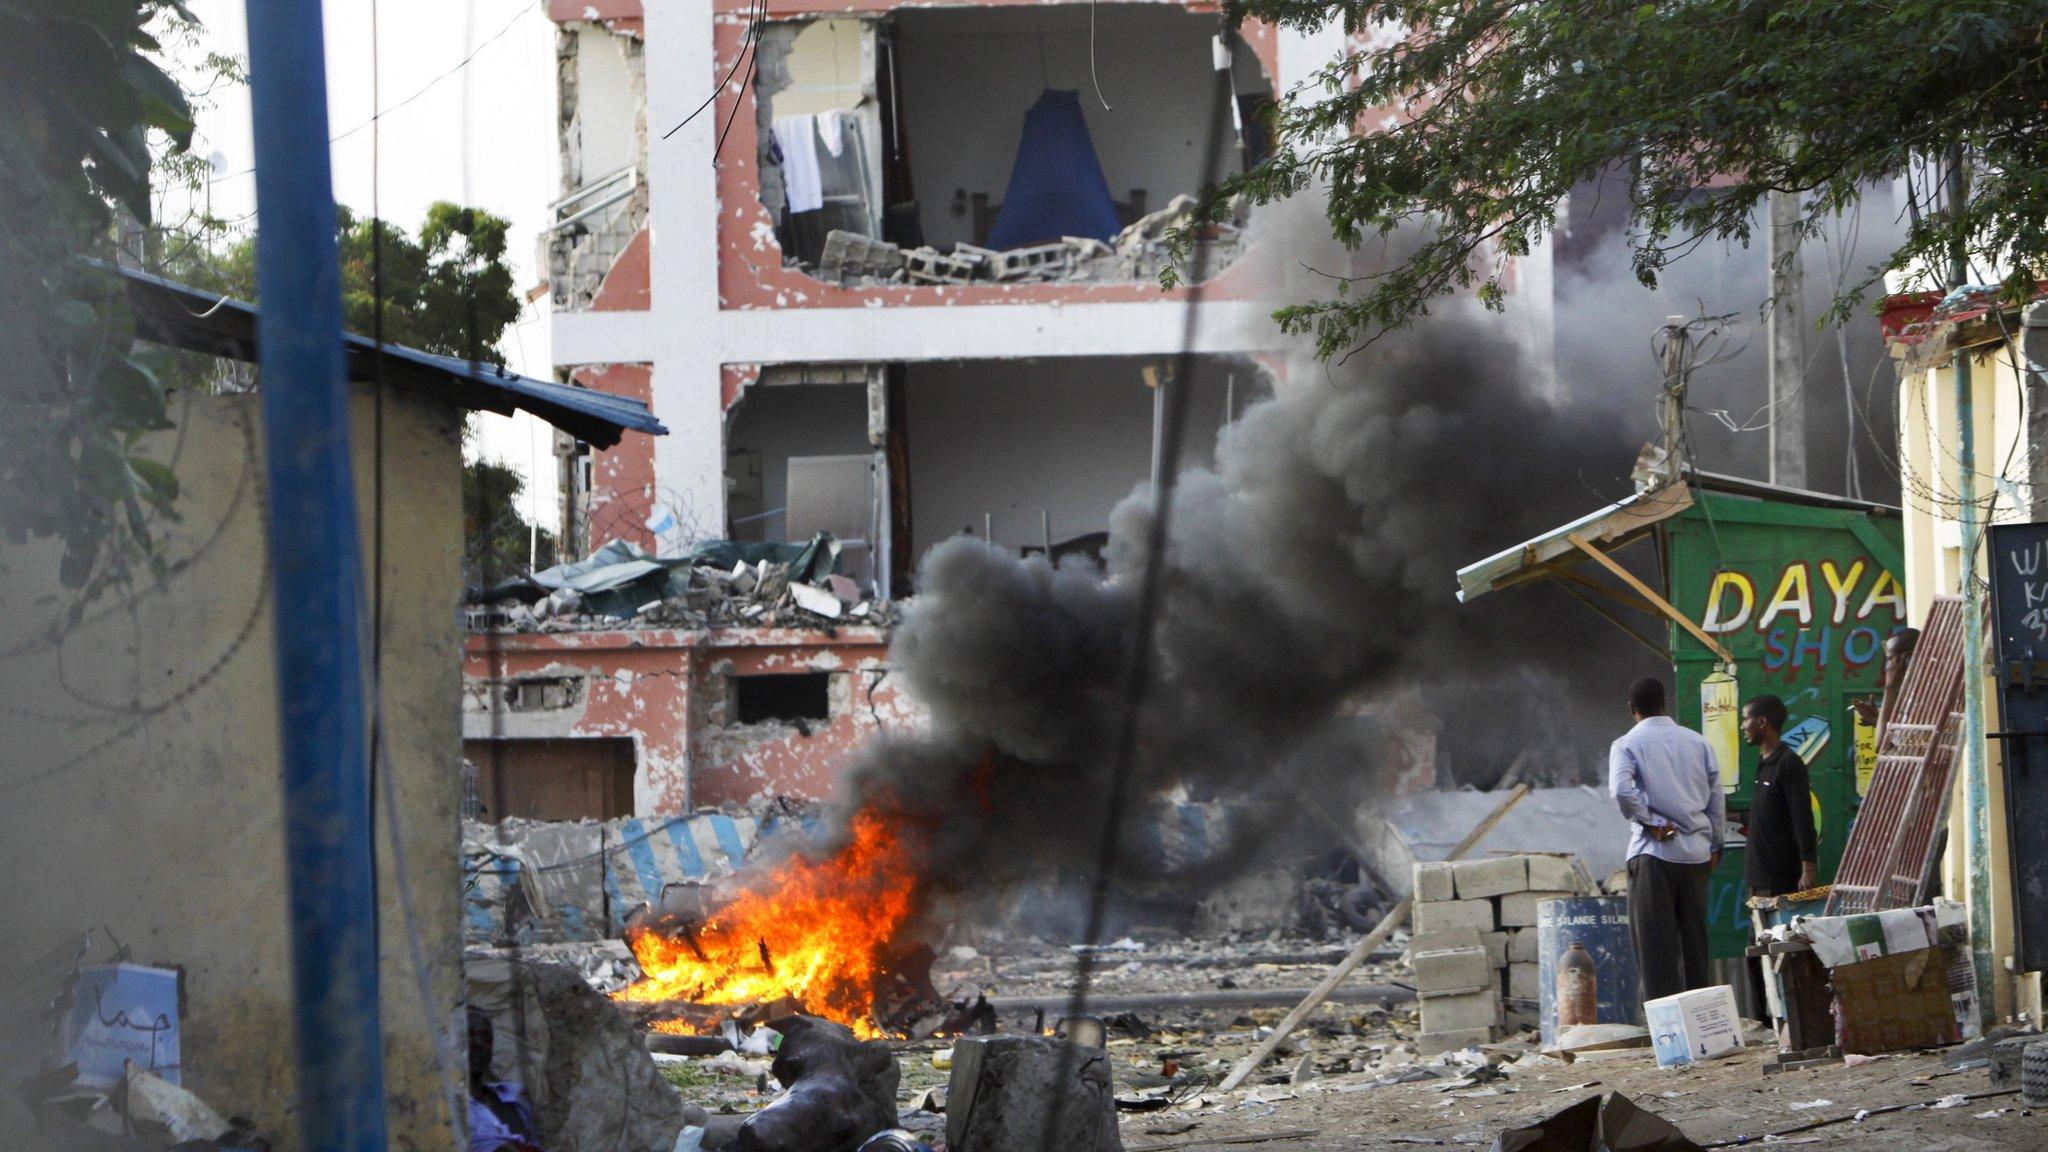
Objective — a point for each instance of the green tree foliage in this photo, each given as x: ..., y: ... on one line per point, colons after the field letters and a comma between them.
x: 82, y: 91
x: 449, y: 291
x: 496, y: 534
x: 1499, y: 107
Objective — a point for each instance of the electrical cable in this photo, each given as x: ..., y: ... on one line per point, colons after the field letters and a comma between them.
x: 421, y: 91
x: 757, y: 14
x: 1151, y: 592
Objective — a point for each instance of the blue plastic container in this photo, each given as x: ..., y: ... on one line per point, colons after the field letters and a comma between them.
x: 1600, y: 924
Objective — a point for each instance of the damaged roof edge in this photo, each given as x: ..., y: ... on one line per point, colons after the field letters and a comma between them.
x: 181, y: 316
x: 1618, y: 523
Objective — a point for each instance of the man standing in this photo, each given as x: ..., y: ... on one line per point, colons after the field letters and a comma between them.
x: 1665, y: 781
x: 1783, y: 847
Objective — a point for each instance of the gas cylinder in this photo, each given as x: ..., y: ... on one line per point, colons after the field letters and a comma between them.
x: 1578, y: 988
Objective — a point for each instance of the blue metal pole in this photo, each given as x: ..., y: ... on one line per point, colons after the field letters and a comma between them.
x: 316, y: 588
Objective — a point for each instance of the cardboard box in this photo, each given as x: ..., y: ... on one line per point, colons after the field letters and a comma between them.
x: 1696, y: 1025
x: 1894, y: 1003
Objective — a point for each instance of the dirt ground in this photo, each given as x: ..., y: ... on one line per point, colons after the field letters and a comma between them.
x: 1336, y: 1082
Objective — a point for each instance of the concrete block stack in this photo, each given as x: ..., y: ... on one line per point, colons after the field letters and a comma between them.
x: 1473, y: 948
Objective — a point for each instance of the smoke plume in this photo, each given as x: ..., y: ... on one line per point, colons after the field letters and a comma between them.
x: 1310, y: 596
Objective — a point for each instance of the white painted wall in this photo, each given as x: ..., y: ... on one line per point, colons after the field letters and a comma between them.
x: 825, y: 70
x: 1071, y: 437
x: 969, y: 74
x: 605, y: 105
x: 784, y: 420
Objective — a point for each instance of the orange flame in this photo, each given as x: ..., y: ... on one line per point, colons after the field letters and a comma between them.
x: 817, y: 932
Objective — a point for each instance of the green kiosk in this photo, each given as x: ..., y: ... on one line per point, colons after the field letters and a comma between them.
x: 1757, y: 589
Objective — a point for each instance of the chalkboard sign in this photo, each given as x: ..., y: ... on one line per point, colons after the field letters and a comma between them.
x: 2019, y: 619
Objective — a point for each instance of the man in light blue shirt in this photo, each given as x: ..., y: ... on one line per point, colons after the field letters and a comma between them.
x: 1667, y: 783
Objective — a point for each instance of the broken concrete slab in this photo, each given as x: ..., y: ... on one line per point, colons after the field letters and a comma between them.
x: 584, y: 1066
x: 1398, y: 832
x: 1490, y: 876
x: 817, y: 600
x: 1006, y: 1091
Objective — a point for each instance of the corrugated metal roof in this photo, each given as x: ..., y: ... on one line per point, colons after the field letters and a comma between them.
x: 1624, y: 520
x: 179, y: 315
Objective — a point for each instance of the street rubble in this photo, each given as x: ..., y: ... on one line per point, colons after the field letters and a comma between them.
x: 1139, y: 252
x: 1177, y: 1013
x: 717, y: 584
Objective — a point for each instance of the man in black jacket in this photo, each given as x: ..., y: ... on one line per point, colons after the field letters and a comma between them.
x: 1783, y: 846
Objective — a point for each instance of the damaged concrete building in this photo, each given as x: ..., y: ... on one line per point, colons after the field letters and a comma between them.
x: 906, y: 287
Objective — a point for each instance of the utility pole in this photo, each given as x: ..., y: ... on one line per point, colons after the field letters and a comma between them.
x: 316, y: 585
x: 1786, y: 431
x: 1976, y: 769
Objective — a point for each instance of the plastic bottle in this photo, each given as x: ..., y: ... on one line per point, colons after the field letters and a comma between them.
x: 1578, y: 988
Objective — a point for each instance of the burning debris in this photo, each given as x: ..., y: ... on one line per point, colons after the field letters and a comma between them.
x: 827, y: 937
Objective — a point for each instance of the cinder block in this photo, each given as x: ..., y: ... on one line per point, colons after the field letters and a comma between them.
x: 1433, y: 882
x: 1563, y: 873
x: 1522, y: 946
x: 1454, y: 914
x: 1518, y: 910
x: 1438, y: 1043
x: 1451, y: 970
x: 1459, y: 1013
x: 1448, y: 938
x: 1522, y: 982
x: 1496, y: 945
x: 1491, y: 876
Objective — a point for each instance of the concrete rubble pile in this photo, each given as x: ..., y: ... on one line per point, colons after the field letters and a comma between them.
x: 1474, y: 950
x: 1139, y: 252
x: 718, y: 584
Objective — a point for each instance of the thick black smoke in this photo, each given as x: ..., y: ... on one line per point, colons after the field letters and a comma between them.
x: 1311, y: 575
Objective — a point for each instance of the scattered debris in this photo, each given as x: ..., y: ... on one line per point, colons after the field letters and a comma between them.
x: 1612, y: 1123
x: 590, y: 1079
x: 718, y: 584
x: 1008, y: 1092
x: 1138, y: 252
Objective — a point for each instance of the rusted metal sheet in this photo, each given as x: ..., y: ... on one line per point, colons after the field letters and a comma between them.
x: 1891, y: 845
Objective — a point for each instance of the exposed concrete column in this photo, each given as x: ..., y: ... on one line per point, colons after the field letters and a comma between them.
x: 681, y: 67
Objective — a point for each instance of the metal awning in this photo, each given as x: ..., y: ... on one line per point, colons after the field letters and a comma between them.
x: 167, y: 312
x: 1595, y: 535
x: 1612, y: 526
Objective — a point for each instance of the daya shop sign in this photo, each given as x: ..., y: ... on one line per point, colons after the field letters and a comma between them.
x: 1816, y: 616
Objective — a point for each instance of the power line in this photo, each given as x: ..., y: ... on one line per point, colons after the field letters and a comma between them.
x: 421, y: 91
